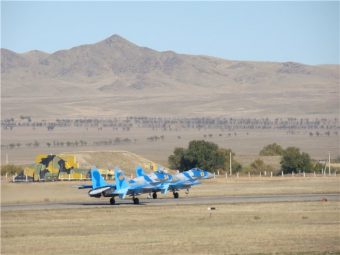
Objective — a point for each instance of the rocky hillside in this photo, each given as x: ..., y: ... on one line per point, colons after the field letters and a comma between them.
x: 146, y: 82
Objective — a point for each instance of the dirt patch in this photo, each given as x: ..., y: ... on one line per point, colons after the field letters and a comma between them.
x: 127, y: 161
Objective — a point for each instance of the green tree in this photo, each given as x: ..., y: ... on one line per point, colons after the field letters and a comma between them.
x: 272, y: 150
x: 318, y: 167
x: 293, y: 160
x: 177, y: 160
x: 200, y: 154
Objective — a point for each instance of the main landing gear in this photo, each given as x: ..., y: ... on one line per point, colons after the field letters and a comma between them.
x: 176, y: 195
x: 154, y: 195
x: 112, y: 201
x: 135, y: 200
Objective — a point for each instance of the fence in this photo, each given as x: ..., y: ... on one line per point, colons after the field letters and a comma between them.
x: 69, y: 177
x: 271, y: 175
x: 60, y: 177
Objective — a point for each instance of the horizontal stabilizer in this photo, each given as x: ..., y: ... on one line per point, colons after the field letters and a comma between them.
x: 82, y: 186
x: 98, y: 191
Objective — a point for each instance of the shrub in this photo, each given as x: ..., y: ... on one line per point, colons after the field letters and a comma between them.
x: 272, y: 150
x: 11, y: 169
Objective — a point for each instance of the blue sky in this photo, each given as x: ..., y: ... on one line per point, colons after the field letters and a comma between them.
x: 305, y: 32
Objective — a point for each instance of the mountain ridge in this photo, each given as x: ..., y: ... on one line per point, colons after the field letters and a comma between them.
x: 115, y: 67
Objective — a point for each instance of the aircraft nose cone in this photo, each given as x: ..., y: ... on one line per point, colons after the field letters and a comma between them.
x: 210, y: 175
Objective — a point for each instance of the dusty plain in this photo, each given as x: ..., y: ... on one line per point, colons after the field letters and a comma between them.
x: 246, y: 143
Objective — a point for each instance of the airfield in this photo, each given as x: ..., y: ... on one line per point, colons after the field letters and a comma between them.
x: 116, y: 79
x: 279, y: 215
x: 256, y: 215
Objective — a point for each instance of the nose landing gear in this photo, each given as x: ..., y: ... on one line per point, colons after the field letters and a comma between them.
x: 112, y: 201
x: 135, y: 200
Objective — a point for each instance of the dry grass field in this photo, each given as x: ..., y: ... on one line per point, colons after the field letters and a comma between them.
x: 246, y: 228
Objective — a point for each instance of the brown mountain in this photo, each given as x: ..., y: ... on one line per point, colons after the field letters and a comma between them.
x: 116, y: 77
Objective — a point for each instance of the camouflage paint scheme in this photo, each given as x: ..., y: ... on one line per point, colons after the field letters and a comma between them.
x: 57, y: 167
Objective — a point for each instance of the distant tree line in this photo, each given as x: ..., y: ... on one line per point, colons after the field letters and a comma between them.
x: 290, y: 125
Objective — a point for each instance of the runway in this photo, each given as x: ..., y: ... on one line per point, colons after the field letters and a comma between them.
x: 211, y: 201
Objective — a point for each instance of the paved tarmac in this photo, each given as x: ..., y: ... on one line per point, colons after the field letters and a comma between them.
x: 211, y: 201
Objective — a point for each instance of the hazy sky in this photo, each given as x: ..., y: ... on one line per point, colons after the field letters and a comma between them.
x: 305, y: 32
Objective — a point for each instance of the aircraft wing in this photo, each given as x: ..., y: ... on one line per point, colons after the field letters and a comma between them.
x: 82, y: 186
x: 98, y: 190
x: 90, y: 186
x: 184, y: 185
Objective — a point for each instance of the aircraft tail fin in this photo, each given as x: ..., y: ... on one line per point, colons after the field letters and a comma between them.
x: 97, y: 180
x: 139, y: 171
x: 121, y: 184
x: 120, y: 180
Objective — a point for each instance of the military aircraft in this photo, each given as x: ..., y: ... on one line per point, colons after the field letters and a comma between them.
x: 99, y: 187
x: 180, y: 181
x: 187, y: 179
x: 159, y: 175
x: 141, y: 184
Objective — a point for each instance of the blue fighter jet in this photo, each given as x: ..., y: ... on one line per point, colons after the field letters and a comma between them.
x: 141, y: 184
x: 187, y: 179
x: 159, y: 175
x: 99, y: 187
x: 182, y: 180
x: 136, y: 186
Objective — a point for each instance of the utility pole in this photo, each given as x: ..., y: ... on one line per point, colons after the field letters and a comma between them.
x: 230, y: 165
x: 329, y: 163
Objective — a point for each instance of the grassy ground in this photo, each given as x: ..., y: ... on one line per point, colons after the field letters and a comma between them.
x: 12, y: 193
x: 255, y: 228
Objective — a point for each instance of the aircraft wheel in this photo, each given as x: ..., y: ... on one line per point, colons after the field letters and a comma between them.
x: 176, y: 195
x: 187, y: 191
x: 136, y: 200
x: 112, y: 201
x: 154, y: 195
